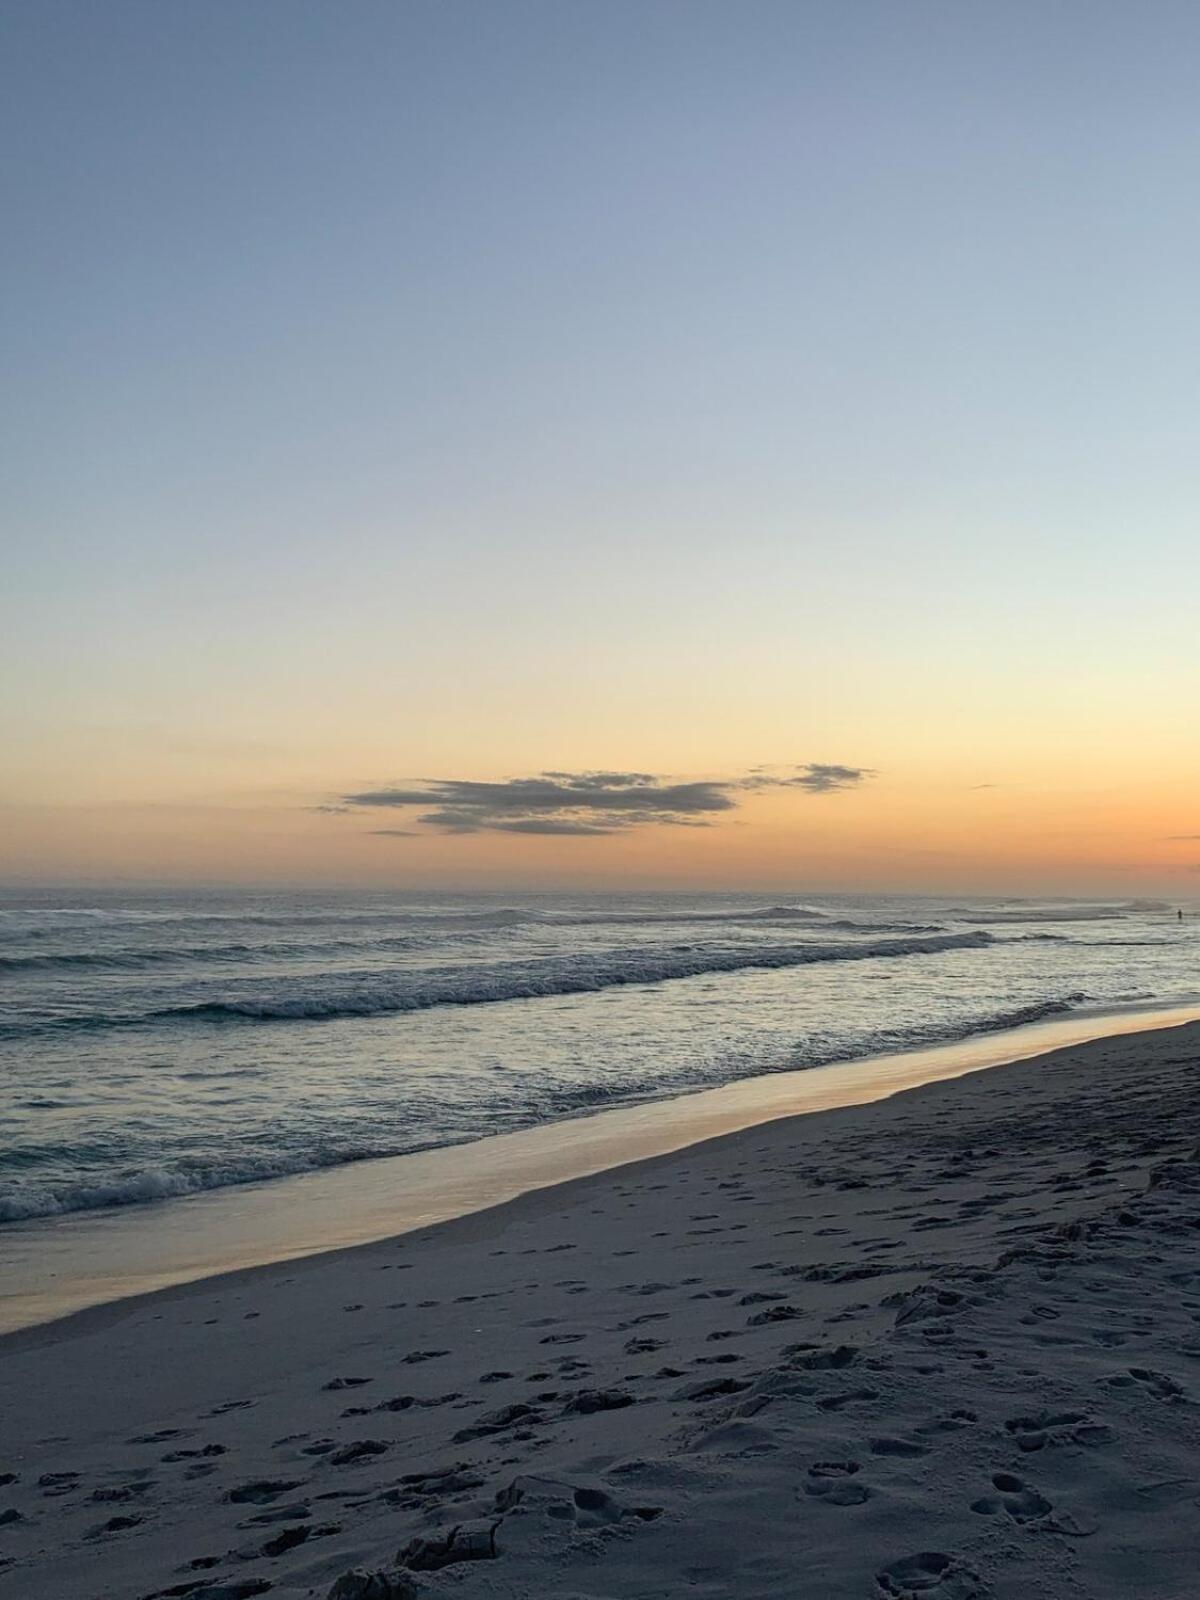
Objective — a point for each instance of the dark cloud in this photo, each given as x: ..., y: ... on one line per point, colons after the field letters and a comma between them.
x: 395, y: 833
x: 448, y: 821
x: 586, y: 803
x: 1178, y: 838
x: 816, y: 777
x: 819, y: 777
x: 598, y: 791
x: 551, y: 825
x: 391, y: 797
x: 329, y: 811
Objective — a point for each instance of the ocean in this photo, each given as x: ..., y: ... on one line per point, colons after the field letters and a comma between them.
x: 160, y: 1044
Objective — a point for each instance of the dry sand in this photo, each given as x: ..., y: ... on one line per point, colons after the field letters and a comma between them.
x: 944, y: 1346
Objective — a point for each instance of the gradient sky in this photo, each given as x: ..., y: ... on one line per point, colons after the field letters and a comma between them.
x: 401, y: 393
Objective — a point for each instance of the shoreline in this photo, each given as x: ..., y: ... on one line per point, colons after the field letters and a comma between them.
x: 87, y: 1261
x: 941, y: 1344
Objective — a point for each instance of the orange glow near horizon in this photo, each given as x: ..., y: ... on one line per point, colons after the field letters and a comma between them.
x: 934, y: 835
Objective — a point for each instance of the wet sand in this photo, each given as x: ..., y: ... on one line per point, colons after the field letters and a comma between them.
x: 53, y: 1267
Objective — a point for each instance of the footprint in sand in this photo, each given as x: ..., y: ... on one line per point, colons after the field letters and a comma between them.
x: 358, y: 1450
x: 113, y: 1525
x: 189, y: 1455
x: 1021, y: 1503
x: 122, y: 1492
x: 1157, y: 1383
x: 292, y: 1512
x: 833, y: 1483
x: 1038, y: 1429
x: 836, y: 1402
x: 500, y: 1420
x: 261, y: 1491
x: 933, y: 1573
x: 712, y: 1389
x: 288, y: 1538
x: 783, y: 1313
x: 814, y: 1358
x: 58, y: 1483
x: 222, y: 1589
x: 1024, y: 1504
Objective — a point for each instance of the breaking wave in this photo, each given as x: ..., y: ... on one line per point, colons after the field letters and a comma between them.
x: 134, y: 958
x: 579, y: 974
x: 558, y: 1101
x: 21, y: 1203
x: 367, y: 995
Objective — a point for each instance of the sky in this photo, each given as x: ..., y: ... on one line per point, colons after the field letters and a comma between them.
x: 680, y: 398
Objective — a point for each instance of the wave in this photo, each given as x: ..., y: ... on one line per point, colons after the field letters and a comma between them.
x: 591, y: 919
x: 497, y: 917
x: 1129, y: 944
x: 133, y: 959
x: 782, y: 915
x: 573, y: 1099
x: 501, y: 917
x: 369, y: 994
x: 1037, y: 1012
x: 580, y: 974
x: 25, y: 1201
x: 122, y: 960
x: 1084, y: 912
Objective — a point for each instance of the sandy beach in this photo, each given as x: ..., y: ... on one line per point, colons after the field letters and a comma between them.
x: 599, y: 849
x: 945, y: 1345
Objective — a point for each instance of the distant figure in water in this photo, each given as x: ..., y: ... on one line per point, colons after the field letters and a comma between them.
x: 1179, y: 914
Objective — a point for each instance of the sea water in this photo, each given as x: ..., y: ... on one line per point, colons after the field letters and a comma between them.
x: 160, y: 1044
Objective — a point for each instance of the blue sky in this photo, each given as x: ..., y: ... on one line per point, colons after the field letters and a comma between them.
x: 378, y: 370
